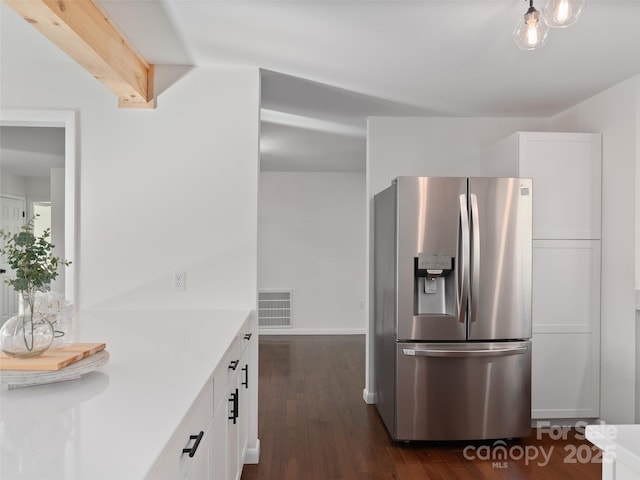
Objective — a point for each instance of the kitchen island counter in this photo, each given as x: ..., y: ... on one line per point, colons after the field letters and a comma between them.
x: 621, y: 450
x: 113, y: 423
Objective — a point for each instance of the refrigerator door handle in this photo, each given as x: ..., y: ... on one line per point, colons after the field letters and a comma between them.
x: 475, y: 257
x: 437, y: 352
x: 464, y: 259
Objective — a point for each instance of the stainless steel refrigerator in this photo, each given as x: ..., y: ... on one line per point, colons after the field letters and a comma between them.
x: 452, y: 307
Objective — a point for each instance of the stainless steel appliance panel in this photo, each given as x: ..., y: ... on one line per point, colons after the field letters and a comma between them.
x: 500, y: 260
x: 429, y: 223
x: 463, y: 391
x: 384, y: 279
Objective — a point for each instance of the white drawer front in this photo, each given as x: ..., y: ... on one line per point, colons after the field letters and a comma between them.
x: 173, y: 462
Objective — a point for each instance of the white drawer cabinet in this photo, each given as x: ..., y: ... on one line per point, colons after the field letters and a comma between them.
x: 190, y: 444
x: 201, y: 466
x: 231, y: 417
x: 216, y: 428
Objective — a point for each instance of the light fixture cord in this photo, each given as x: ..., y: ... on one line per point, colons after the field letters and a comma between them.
x: 531, y: 7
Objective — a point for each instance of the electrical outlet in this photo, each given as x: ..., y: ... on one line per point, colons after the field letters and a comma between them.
x: 179, y: 280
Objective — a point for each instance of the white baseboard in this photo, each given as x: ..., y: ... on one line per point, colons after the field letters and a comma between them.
x: 252, y: 455
x: 369, y: 397
x: 312, y: 331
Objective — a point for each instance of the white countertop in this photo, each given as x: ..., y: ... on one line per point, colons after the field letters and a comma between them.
x: 113, y: 423
x: 620, y: 441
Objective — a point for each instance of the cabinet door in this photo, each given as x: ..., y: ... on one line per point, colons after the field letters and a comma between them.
x: 566, y: 169
x: 219, y: 441
x: 173, y: 462
x: 564, y: 376
x: 566, y: 324
x: 243, y: 420
x: 226, y: 424
x: 233, y: 462
x: 566, y: 172
x: 566, y: 286
x: 200, y: 468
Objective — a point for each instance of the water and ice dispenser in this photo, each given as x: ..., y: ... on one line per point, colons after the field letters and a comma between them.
x: 434, y: 284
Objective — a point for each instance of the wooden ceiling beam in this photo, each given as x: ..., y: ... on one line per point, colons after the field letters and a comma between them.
x: 83, y: 31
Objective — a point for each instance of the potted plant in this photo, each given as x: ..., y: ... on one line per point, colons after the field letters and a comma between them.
x: 34, y: 266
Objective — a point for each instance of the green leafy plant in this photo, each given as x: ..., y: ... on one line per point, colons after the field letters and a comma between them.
x: 31, y: 259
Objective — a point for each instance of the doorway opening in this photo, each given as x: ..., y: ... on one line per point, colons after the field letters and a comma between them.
x: 63, y: 193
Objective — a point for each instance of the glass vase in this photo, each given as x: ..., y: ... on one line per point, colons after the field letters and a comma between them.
x: 53, y: 307
x: 24, y: 335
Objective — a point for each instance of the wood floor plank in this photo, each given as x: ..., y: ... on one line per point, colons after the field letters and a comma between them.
x: 314, y: 425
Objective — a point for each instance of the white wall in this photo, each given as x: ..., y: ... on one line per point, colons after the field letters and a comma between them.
x: 433, y: 146
x: 614, y: 113
x: 38, y: 187
x: 28, y: 187
x: 164, y: 190
x: 311, y: 236
x: 13, y: 184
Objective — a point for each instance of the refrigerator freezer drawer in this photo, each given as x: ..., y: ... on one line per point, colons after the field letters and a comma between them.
x: 469, y: 391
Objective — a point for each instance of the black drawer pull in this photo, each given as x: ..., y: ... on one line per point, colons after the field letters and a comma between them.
x: 245, y: 369
x: 234, y: 364
x: 233, y: 415
x: 192, y: 451
x: 247, y: 336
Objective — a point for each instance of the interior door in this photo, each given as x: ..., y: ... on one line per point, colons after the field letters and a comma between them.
x: 12, y: 217
x: 501, y: 257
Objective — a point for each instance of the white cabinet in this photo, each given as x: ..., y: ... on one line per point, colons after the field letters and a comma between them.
x: 231, y: 417
x: 566, y: 286
x: 187, y: 454
x: 200, y: 468
x: 621, y: 450
x: 566, y: 173
x: 212, y: 439
x: 244, y: 388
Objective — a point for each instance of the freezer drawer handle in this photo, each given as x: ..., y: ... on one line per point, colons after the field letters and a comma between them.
x: 465, y: 353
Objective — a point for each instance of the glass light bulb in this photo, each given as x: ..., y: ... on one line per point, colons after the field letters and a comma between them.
x: 562, y: 13
x: 532, y: 33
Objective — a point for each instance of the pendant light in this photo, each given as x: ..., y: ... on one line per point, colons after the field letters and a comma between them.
x: 532, y: 33
x: 562, y: 13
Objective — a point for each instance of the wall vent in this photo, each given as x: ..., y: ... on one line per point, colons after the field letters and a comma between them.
x: 274, y: 308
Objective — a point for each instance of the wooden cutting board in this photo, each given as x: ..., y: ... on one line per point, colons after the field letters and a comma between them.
x: 53, y: 359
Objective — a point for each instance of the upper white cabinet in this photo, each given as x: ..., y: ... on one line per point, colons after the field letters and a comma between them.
x: 566, y: 171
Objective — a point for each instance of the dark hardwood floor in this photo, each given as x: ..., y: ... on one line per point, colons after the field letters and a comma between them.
x: 313, y: 424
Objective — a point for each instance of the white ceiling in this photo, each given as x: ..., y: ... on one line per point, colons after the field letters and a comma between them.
x: 328, y: 64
